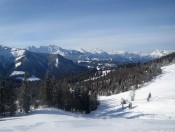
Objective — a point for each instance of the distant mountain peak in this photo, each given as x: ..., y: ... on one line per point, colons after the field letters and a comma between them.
x: 80, y: 50
x: 96, y: 51
x: 99, y: 58
x: 160, y: 53
x: 120, y: 52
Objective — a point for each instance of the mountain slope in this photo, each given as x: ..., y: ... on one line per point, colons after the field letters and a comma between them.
x: 13, y: 62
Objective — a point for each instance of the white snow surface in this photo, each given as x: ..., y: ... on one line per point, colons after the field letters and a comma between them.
x: 15, y: 73
x: 157, y: 115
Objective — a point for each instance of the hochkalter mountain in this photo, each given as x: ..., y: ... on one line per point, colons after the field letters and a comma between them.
x: 97, y: 58
x: 13, y: 62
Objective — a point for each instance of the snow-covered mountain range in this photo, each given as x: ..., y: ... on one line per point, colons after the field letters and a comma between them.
x: 53, y: 49
x: 99, y: 58
x: 13, y: 62
x: 37, y: 60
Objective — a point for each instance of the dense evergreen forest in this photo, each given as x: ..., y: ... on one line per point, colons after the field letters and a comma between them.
x: 76, y: 92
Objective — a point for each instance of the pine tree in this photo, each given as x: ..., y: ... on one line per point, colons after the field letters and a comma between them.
x: 67, y: 101
x: 59, y: 96
x: 7, y: 98
x: 25, y: 95
x: 2, y: 97
x: 48, y: 90
x: 10, y: 99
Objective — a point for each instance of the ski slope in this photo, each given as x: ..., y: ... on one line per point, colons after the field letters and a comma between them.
x: 156, y: 115
x: 161, y: 105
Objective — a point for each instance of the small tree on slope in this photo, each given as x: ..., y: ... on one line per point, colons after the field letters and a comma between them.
x: 132, y: 93
x: 149, y: 96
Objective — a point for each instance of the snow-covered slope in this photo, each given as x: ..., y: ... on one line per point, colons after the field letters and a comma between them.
x: 161, y: 105
x: 158, y: 115
x: 52, y: 120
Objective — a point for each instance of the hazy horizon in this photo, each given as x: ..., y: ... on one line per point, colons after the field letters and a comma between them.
x: 133, y: 26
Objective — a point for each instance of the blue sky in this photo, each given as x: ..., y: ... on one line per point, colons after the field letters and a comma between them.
x: 131, y: 25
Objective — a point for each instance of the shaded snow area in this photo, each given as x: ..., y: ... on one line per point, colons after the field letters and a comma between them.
x: 157, y: 115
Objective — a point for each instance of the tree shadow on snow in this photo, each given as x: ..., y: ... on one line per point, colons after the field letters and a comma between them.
x: 54, y: 111
x: 9, y: 118
x: 117, y: 113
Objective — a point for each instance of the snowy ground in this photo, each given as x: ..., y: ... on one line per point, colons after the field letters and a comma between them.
x: 156, y: 115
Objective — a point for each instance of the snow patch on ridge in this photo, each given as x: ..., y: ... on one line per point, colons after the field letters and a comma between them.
x: 57, y: 62
x: 17, y: 64
x: 15, y: 73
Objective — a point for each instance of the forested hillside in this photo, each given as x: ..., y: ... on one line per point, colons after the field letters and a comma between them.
x: 126, y: 77
x: 76, y: 92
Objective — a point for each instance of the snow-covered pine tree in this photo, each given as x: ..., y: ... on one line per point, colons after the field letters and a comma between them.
x: 132, y: 93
